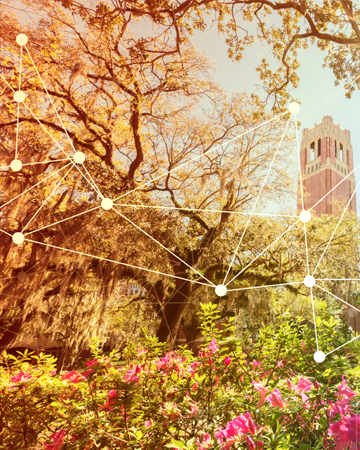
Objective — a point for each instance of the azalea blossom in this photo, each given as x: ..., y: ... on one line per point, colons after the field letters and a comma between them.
x: 56, y: 439
x: 303, y: 385
x: 250, y: 443
x: 256, y: 364
x: 213, y: 346
x: 148, y: 423
x: 263, y: 391
x: 275, y: 399
x: 227, y: 361
x: 92, y: 363
x: 20, y: 377
x: 73, y: 377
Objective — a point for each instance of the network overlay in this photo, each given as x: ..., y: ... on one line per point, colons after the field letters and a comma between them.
x: 77, y: 162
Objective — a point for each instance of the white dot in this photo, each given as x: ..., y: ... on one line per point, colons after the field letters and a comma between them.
x: 294, y: 107
x: 21, y: 39
x: 19, y: 96
x: 220, y: 290
x: 353, y: 313
x: 79, y: 157
x: 305, y: 216
x: 309, y: 281
x: 319, y: 356
x: 18, y: 238
x: 107, y: 203
x: 16, y: 165
x: 22, y: 276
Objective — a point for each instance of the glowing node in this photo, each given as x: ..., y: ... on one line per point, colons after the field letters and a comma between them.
x: 19, y: 96
x: 294, y: 107
x: 107, y: 203
x: 319, y: 357
x: 16, y: 165
x: 220, y: 290
x: 22, y: 39
x: 79, y: 157
x: 305, y: 216
x: 309, y: 281
x: 18, y: 238
x: 22, y: 276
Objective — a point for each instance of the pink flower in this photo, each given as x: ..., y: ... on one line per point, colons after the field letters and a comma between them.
x: 20, y: 377
x: 353, y: 425
x: 194, y: 410
x: 260, y: 443
x: 112, y: 397
x: 250, y: 443
x: 141, y: 351
x: 256, y: 364
x: 73, y: 377
x: 303, y: 385
x: 53, y: 372
x: 279, y: 364
x: 56, y: 439
x: 275, y: 399
x: 290, y: 386
x: 220, y: 435
x: 303, y: 345
x: 316, y: 385
x: 88, y: 372
x: 250, y: 423
x: 195, y: 386
x: 345, y: 390
x: 148, y: 424
x: 91, y: 363
x: 263, y: 391
x: 213, y: 346
x: 227, y: 361
x: 338, y: 431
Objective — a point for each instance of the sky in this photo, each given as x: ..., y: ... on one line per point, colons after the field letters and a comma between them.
x: 316, y: 91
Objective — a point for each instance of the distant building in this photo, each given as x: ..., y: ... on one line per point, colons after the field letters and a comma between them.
x: 326, y: 158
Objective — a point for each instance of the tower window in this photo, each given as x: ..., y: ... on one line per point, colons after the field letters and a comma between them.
x: 316, y: 167
x: 345, y: 171
x: 336, y: 155
x: 308, y: 169
x: 342, y: 170
x: 312, y: 168
x: 312, y: 151
x: 319, y: 147
x: 341, y: 152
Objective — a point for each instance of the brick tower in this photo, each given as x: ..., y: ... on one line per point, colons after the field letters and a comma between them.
x: 326, y: 157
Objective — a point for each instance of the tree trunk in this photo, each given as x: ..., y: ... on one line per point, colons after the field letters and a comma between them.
x: 172, y: 313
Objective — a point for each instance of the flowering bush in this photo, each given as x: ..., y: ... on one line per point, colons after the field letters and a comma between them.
x: 267, y: 394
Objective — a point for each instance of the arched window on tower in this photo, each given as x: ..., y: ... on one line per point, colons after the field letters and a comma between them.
x: 312, y: 151
x: 336, y: 155
x: 319, y: 148
x: 341, y: 152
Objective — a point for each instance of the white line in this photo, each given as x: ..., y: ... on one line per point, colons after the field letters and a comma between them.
x: 32, y: 187
x: 116, y: 262
x: 47, y: 162
x: 47, y: 198
x: 6, y: 233
x: 313, y: 308
x: 335, y: 187
x: 300, y: 168
x: 194, y: 159
x: 17, y: 130
x: 63, y: 220
x: 58, y: 116
x: 20, y: 67
x: 342, y: 215
x: 57, y: 143
x: 288, y: 229
x: 204, y: 210
x: 50, y: 100
x: 257, y: 199
x: 338, y: 279
x: 266, y: 286
x: 337, y: 297
x: 132, y: 223
x: 348, y: 342
x: 92, y: 182
x: 306, y: 249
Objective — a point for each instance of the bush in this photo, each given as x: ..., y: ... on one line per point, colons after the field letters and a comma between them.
x: 268, y: 394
